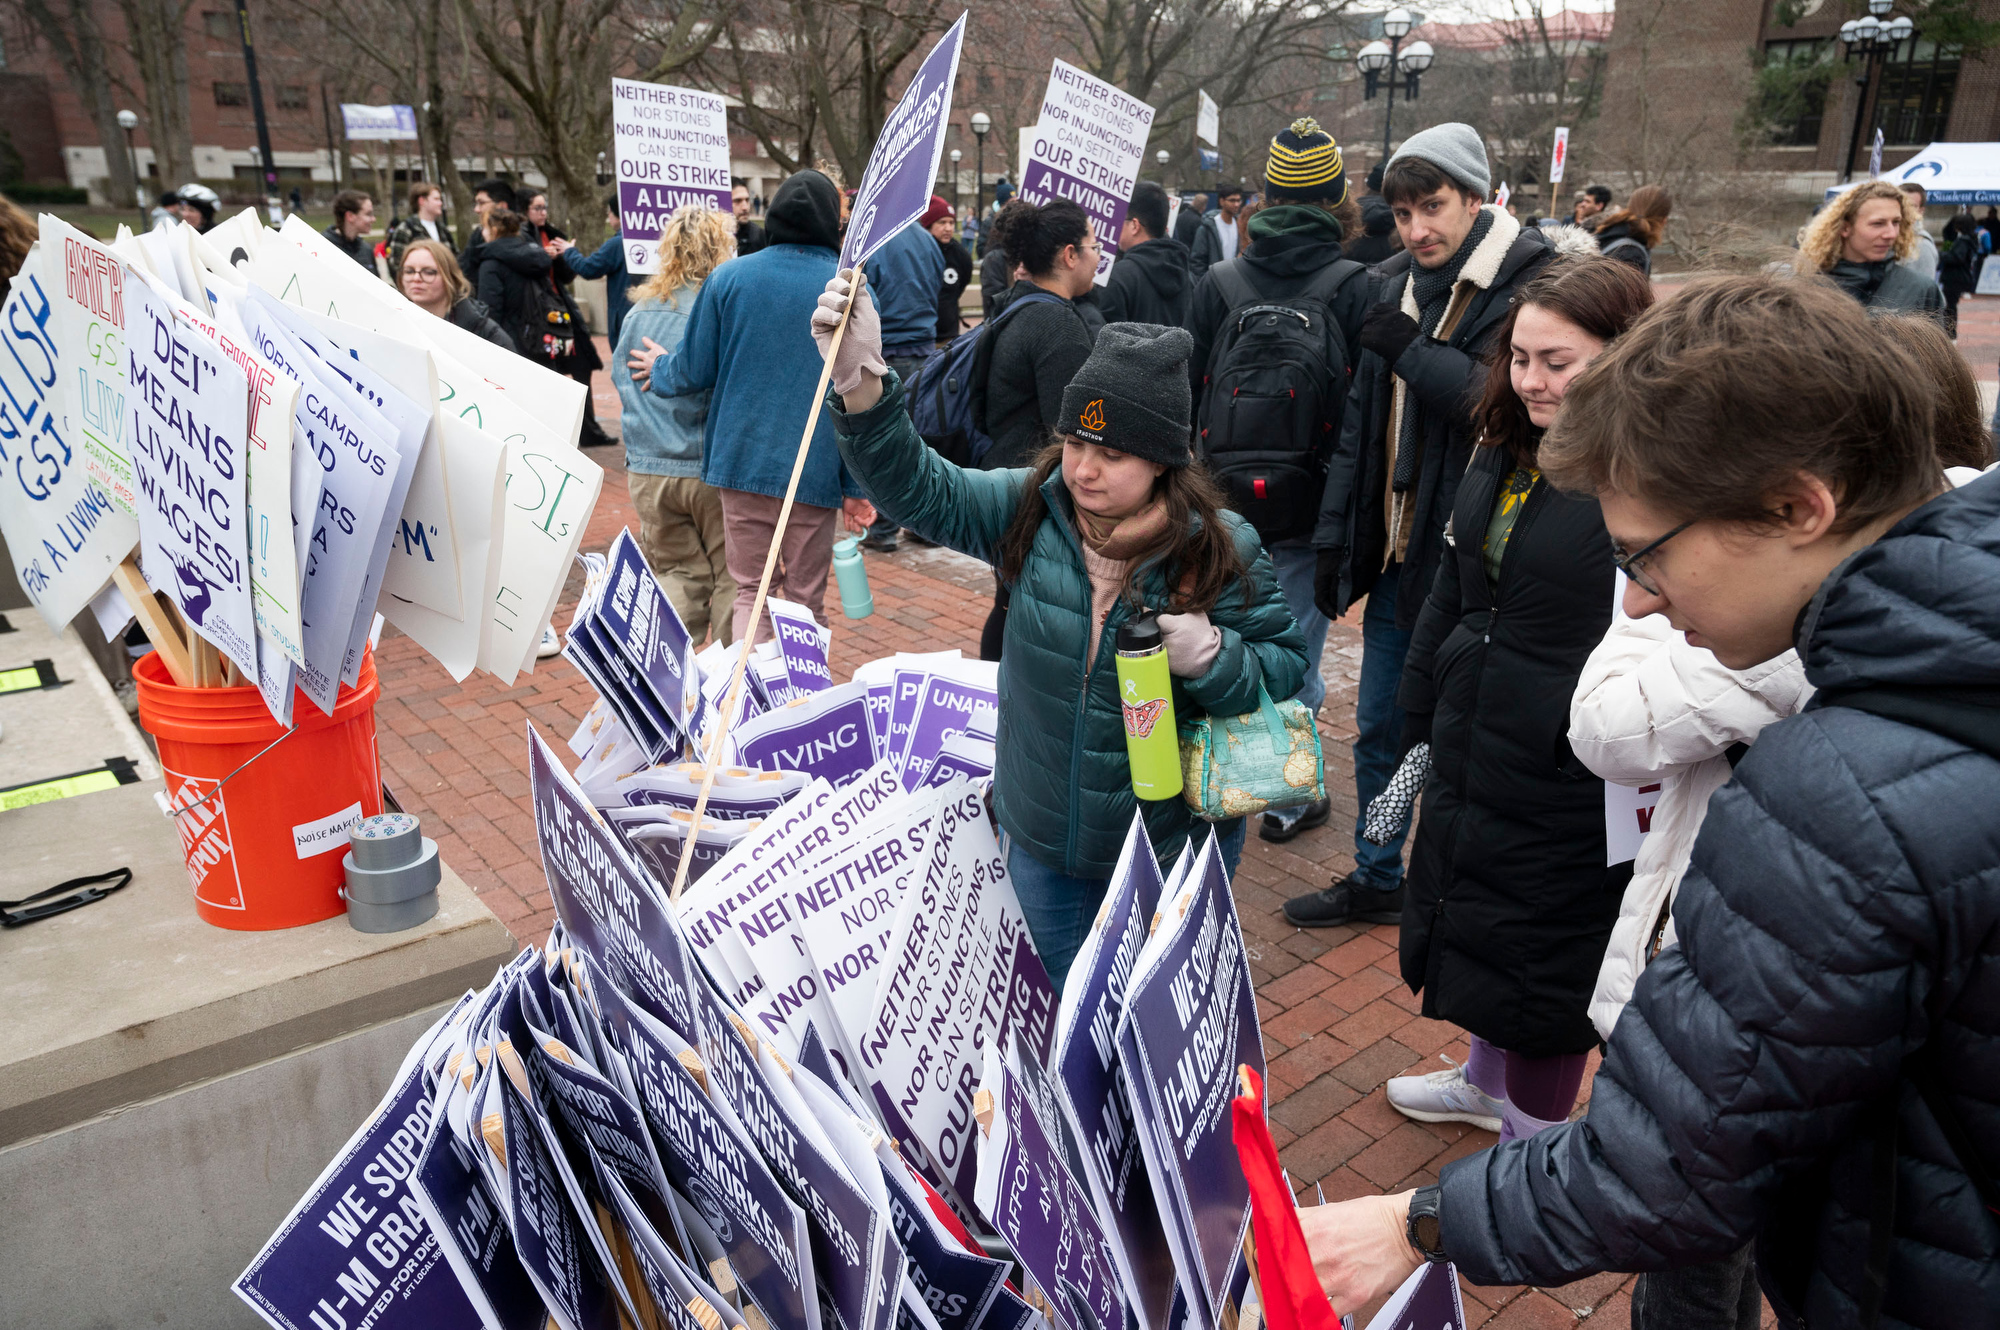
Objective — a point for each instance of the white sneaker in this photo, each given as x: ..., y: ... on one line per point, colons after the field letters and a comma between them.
x: 551, y: 645
x: 1445, y: 1096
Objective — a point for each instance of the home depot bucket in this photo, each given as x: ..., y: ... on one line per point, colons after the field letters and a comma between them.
x: 264, y: 850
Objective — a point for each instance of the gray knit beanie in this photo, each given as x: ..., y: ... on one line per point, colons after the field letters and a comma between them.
x: 1455, y: 149
x: 1132, y: 393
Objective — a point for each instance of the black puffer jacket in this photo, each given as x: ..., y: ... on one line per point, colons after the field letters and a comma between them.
x: 1510, y: 904
x: 1444, y: 382
x: 511, y: 270
x: 470, y: 315
x: 1842, y: 913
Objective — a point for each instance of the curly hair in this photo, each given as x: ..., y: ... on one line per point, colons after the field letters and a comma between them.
x: 694, y: 243
x: 1819, y: 243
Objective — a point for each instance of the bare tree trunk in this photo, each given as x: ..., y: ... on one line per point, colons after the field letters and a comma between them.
x: 71, y: 31
x: 153, y: 33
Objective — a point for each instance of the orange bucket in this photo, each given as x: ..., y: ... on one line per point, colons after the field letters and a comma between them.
x: 265, y: 851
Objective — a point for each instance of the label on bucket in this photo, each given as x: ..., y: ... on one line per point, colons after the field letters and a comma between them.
x: 328, y: 833
x: 205, y: 841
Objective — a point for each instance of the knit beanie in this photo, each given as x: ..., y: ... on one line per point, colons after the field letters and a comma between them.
x: 938, y: 210
x: 1456, y: 150
x: 1305, y: 164
x: 1132, y: 394
x: 804, y: 211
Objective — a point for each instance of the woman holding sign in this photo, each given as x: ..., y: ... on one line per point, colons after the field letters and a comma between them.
x: 1112, y: 515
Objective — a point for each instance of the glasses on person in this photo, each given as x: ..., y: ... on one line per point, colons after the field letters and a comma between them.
x: 421, y: 274
x: 1634, y: 565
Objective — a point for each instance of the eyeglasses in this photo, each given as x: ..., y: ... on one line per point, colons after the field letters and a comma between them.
x: 431, y: 273
x: 1634, y: 565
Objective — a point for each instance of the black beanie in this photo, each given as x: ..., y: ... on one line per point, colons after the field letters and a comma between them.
x: 804, y: 211
x: 1132, y: 394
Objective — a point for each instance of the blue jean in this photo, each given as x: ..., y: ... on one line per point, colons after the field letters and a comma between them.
x: 1378, y: 727
x: 1059, y: 908
x: 1296, y: 561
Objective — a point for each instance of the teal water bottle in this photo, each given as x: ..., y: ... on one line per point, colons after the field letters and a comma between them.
x: 856, y: 600
x: 1146, y: 695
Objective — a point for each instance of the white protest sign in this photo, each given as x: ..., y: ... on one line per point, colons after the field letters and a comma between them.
x: 1559, y: 155
x: 189, y: 406
x: 63, y: 532
x: 673, y: 150
x: 1207, y: 118
x: 86, y: 284
x: 477, y: 467
x: 1088, y: 148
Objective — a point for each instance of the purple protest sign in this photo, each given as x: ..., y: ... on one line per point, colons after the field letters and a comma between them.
x: 634, y: 614
x: 1427, y: 1300
x: 802, y: 644
x: 825, y: 734
x: 1190, y: 1020
x: 448, y: 1188
x: 896, y: 184
x: 945, y: 708
x: 1088, y: 147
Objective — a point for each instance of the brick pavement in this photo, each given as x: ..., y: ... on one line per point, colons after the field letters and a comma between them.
x: 1337, y: 1020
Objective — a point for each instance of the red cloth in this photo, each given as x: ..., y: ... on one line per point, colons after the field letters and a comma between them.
x: 1286, y: 1284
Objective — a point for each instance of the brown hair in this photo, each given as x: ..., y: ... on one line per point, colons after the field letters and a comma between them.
x: 17, y: 234
x: 1600, y: 296
x: 1819, y: 242
x: 348, y: 201
x: 505, y: 222
x: 422, y: 190
x: 1645, y: 213
x: 455, y: 284
x: 1962, y: 436
x: 1724, y: 391
x: 1198, y: 552
x: 1411, y: 178
x: 694, y: 243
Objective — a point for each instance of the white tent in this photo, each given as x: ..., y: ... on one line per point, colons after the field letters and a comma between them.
x: 1951, y: 174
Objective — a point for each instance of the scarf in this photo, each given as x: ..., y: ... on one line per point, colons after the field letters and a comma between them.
x: 1123, y: 539
x: 1431, y: 288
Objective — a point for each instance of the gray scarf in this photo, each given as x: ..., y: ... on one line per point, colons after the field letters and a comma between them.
x: 1431, y: 288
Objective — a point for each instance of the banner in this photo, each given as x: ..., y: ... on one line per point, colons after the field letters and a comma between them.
x: 672, y: 146
x: 63, y: 532
x: 1088, y: 148
x: 896, y: 185
x: 379, y: 124
x: 1559, y: 156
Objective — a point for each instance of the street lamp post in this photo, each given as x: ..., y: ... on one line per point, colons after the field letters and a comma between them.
x: 1163, y: 157
x: 1380, y: 57
x: 1871, y: 37
x: 956, y: 191
x: 982, y: 125
x: 129, y: 121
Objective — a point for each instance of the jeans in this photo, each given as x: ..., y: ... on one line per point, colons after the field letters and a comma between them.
x: 1716, y: 1295
x: 1378, y: 728
x: 1059, y: 908
x: 906, y: 368
x: 1296, y: 561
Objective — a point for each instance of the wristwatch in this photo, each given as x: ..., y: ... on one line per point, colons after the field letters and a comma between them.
x: 1422, y: 1228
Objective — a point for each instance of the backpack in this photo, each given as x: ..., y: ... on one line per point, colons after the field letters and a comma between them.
x: 947, y: 395
x: 552, y: 322
x: 1627, y: 242
x: 1272, y: 397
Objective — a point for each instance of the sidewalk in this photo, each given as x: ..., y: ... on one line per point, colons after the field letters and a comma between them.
x: 1337, y: 1019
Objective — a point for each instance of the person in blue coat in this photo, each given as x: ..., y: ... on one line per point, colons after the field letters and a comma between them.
x: 606, y: 261
x: 748, y: 343
x: 905, y: 276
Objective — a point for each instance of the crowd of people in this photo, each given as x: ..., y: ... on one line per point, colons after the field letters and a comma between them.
x: 1730, y: 538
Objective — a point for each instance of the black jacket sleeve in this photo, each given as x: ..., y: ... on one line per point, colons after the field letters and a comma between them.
x: 492, y: 289
x: 1204, y: 320
x: 1058, y: 356
x: 1417, y: 694
x: 1442, y: 378
x: 1344, y: 464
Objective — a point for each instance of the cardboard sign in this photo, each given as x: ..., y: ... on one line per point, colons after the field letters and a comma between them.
x: 555, y: 1248
x: 672, y: 146
x: 895, y: 186
x: 1092, y: 1095
x: 357, y: 1245
x: 962, y: 973
x: 86, y: 284
x: 1088, y: 147
x: 189, y: 407
x: 63, y: 531
x: 825, y: 735
x: 1190, y: 1020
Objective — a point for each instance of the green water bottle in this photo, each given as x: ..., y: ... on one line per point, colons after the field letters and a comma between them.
x: 1146, y: 695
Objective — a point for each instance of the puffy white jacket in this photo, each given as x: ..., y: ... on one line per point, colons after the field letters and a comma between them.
x: 1649, y: 707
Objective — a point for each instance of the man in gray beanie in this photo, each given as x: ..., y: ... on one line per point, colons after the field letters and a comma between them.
x: 1406, y: 437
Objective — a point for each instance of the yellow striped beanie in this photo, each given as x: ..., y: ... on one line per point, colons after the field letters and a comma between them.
x: 1305, y: 164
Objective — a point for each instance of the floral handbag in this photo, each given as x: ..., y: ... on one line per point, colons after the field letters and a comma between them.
x: 1236, y: 766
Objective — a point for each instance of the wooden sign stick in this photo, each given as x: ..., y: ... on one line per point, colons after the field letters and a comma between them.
x: 734, y: 697
x: 153, y: 617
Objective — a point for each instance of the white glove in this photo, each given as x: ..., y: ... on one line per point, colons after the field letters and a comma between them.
x: 1192, y: 643
x: 1389, y: 811
x: 861, y: 345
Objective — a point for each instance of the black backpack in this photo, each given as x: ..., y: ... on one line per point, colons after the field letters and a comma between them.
x: 1273, y: 396
x: 947, y: 394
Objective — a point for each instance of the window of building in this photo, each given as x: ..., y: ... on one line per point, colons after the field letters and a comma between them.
x: 1790, y: 101
x: 292, y: 97
x: 232, y: 94
x: 219, y: 24
x: 1914, y: 101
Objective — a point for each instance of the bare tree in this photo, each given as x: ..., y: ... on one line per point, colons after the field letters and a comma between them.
x: 157, y: 42
x: 70, y: 29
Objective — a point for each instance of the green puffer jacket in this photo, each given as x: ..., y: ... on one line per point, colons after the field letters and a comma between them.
x: 1063, y: 785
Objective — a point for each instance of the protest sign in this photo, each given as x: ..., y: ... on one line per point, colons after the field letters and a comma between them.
x: 896, y: 184
x: 1088, y: 148
x: 189, y: 405
x: 477, y: 1243
x: 672, y: 146
x: 63, y: 532
x: 802, y: 644
x: 476, y: 472
x: 1190, y: 1021
x: 86, y: 285
x: 645, y: 628
x: 1091, y: 1093
x: 961, y: 757
x: 957, y: 1285
x: 962, y: 973
x: 825, y: 734
x: 1428, y: 1300
x: 356, y: 1248
x: 944, y: 708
